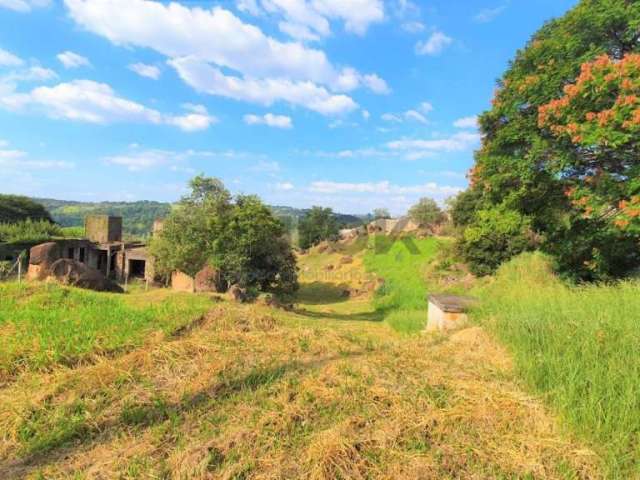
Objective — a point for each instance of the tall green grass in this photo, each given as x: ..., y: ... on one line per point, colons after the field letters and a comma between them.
x: 46, y: 324
x: 401, y: 263
x: 577, y: 346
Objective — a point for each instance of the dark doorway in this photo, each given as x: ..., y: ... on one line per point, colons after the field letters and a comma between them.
x: 102, y: 261
x: 81, y: 255
x: 136, y: 268
x: 70, y: 252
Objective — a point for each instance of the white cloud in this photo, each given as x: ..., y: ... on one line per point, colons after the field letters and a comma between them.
x: 93, y: 102
x: 205, y: 78
x: 416, y: 116
x: 390, y: 117
x: 266, y: 166
x: 382, y: 188
x: 144, y: 70
x: 349, y: 79
x: 269, y: 119
x: 434, y: 45
x: 285, y: 186
x: 466, y: 122
x: 457, y: 142
x: 73, y: 60
x: 23, y: 6
x: 413, y: 27
x: 8, y: 59
x: 19, y: 160
x: 310, y: 20
x: 489, y: 14
x: 366, y: 115
x: 198, y: 119
x: 426, y: 107
x: 137, y: 159
x: 249, y: 6
x: 200, y: 43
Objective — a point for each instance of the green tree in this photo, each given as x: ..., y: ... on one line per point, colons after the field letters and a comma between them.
x: 426, y: 212
x: 381, y: 213
x: 560, y: 141
x: 240, y: 237
x: 317, y: 225
x: 15, y: 208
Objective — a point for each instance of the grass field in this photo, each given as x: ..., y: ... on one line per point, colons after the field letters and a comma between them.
x: 45, y: 325
x: 326, y: 391
x: 579, y: 347
x: 401, y: 263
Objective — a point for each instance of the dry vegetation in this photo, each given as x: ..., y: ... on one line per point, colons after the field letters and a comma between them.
x: 328, y: 391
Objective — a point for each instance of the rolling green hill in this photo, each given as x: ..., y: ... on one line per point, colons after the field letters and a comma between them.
x: 138, y: 216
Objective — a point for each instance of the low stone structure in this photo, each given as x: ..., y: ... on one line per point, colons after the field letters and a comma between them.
x: 392, y: 226
x: 73, y: 273
x: 447, y: 312
x: 102, y: 250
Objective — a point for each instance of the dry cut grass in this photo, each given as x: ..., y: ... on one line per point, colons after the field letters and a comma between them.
x: 323, y: 392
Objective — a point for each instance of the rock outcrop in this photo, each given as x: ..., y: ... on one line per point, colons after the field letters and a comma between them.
x: 73, y: 273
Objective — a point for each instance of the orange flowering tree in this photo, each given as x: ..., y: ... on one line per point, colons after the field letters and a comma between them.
x: 561, y: 146
x: 599, y: 115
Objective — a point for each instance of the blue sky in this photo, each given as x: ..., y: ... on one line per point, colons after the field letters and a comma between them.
x: 353, y: 104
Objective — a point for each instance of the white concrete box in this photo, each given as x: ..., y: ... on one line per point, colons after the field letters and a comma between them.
x: 447, y: 312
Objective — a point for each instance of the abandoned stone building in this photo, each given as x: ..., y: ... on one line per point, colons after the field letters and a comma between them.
x: 102, y: 249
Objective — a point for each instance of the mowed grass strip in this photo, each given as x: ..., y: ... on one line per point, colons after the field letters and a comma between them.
x: 401, y: 263
x: 43, y: 325
x: 579, y: 347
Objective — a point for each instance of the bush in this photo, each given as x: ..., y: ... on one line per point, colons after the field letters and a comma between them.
x: 426, y: 212
x: 496, y: 235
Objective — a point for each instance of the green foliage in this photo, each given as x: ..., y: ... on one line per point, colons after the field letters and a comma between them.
x: 579, y: 347
x: 317, y: 225
x: 381, y: 213
x: 496, y: 235
x: 14, y: 208
x: 463, y: 207
x: 73, y: 232
x: 402, y: 297
x: 537, y: 161
x: 137, y: 217
x: 426, y: 212
x: 241, y: 237
x: 29, y: 231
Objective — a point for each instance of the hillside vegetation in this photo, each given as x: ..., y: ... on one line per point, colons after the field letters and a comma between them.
x: 327, y: 390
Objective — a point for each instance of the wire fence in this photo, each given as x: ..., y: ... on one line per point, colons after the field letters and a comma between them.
x: 16, y: 269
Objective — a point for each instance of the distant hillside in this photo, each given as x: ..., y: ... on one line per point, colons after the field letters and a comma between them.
x: 138, y: 216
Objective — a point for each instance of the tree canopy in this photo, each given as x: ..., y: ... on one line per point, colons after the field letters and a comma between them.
x: 317, y: 225
x: 560, y: 145
x: 426, y: 212
x: 239, y: 236
x: 15, y: 208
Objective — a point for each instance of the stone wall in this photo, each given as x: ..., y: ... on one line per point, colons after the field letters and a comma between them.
x: 103, y: 228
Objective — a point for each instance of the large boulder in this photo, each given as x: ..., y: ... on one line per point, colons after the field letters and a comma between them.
x: 41, y: 258
x: 76, y: 274
x: 209, y: 279
x: 237, y: 293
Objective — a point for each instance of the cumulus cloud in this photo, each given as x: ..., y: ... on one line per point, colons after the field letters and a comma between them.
x: 285, y: 186
x: 8, y: 59
x: 416, y: 115
x: 23, y: 6
x: 413, y: 27
x: 73, y: 60
x: 434, y: 45
x: 207, y: 79
x: 269, y: 119
x: 310, y: 20
x: 202, y: 43
x: 466, y: 122
x: 93, y: 102
x: 144, y: 70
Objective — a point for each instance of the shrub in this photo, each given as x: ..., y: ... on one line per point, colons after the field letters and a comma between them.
x: 29, y: 231
x: 426, y: 212
x: 496, y: 235
x: 317, y: 225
